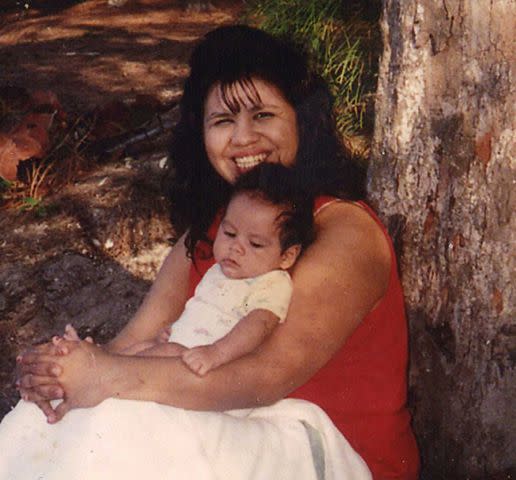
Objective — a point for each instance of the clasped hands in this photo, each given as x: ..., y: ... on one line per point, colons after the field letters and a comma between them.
x: 62, y: 370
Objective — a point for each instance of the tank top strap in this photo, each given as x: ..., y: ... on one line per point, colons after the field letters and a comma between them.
x: 375, y: 217
x: 324, y: 201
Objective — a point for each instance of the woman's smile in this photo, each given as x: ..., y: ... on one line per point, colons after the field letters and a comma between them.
x: 253, y: 130
x: 250, y: 161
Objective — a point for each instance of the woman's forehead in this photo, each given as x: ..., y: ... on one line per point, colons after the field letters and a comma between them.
x: 247, y: 93
x: 242, y: 93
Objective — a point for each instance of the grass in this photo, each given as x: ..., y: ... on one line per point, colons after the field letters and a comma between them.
x: 340, y: 37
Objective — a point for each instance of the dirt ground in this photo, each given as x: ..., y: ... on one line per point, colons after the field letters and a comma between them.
x: 90, y: 259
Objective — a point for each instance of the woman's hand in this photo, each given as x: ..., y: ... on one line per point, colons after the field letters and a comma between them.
x: 37, y: 376
x: 68, y: 371
x: 83, y: 368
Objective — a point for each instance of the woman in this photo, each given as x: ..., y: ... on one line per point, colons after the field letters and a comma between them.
x: 251, y: 98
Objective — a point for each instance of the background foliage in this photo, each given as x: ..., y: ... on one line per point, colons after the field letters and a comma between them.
x: 343, y: 42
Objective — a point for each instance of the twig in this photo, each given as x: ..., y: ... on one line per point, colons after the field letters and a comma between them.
x: 111, y: 144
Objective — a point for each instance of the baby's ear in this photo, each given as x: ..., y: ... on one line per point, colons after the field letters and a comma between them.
x: 289, y: 256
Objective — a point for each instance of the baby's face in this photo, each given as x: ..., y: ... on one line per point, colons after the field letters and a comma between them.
x: 247, y: 242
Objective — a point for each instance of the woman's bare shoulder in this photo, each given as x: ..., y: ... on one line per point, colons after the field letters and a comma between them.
x: 346, y: 231
x: 350, y: 257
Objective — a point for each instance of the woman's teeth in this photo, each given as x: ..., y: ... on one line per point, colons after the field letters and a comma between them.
x: 250, y: 161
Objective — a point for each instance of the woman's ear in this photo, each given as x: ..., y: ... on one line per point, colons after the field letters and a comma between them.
x: 289, y: 256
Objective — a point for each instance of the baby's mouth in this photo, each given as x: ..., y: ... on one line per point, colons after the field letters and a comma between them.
x: 249, y: 161
x: 230, y: 262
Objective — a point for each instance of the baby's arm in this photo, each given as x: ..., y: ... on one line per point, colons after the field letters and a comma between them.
x: 245, y: 337
x: 163, y: 350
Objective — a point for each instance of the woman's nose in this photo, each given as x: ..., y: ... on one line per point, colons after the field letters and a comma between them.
x: 244, y: 132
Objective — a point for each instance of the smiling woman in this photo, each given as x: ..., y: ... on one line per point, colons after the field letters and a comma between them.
x: 341, y: 353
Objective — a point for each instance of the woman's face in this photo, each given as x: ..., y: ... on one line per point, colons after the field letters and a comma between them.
x: 260, y: 131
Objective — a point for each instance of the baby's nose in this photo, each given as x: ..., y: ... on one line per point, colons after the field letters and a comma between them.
x: 237, y: 246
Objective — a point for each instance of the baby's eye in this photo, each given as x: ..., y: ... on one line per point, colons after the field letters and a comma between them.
x: 255, y: 245
x: 229, y: 233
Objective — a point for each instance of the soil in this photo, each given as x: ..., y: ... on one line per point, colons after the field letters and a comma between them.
x: 91, y: 255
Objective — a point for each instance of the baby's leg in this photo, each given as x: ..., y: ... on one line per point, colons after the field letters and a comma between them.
x: 71, y: 334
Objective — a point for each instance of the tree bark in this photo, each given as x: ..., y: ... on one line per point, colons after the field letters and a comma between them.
x: 442, y: 177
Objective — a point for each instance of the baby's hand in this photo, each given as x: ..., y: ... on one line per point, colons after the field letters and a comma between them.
x: 202, y: 359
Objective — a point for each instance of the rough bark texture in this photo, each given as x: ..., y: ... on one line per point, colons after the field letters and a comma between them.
x: 442, y: 176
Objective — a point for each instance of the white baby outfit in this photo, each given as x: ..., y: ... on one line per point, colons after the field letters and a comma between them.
x: 220, y: 302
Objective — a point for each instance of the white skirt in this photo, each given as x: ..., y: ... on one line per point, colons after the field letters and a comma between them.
x: 126, y: 440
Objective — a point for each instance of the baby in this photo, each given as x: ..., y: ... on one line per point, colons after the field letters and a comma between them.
x: 246, y: 294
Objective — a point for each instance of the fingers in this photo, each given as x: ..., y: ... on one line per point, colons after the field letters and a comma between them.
x: 43, y: 405
x: 39, y: 365
x: 61, y: 410
x: 196, y: 361
x: 31, y: 381
x: 58, y: 342
x: 46, y: 408
x: 44, y: 349
x: 164, y: 335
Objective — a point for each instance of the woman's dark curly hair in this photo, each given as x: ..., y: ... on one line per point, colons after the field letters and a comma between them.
x: 235, y: 55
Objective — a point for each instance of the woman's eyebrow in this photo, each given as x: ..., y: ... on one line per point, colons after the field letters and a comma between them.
x: 253, y: 109
x: 262, y: 106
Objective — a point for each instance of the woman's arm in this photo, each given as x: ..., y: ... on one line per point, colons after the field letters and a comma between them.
x: 162, y: 305
x: 38, y: 369
x: 337, y: 282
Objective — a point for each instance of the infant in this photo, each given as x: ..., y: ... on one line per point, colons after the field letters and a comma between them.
x: 246, y: 293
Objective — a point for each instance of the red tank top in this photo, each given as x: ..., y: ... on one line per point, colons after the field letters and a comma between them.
x: 363, y: 387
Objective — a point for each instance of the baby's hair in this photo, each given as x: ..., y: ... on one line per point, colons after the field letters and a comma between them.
x: 278, y: 185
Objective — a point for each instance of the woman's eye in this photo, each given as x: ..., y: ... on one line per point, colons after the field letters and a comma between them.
x: 222, y: 121
x: 262, y: 115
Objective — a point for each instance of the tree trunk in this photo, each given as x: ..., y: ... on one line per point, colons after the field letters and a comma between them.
x: 442, y: 178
